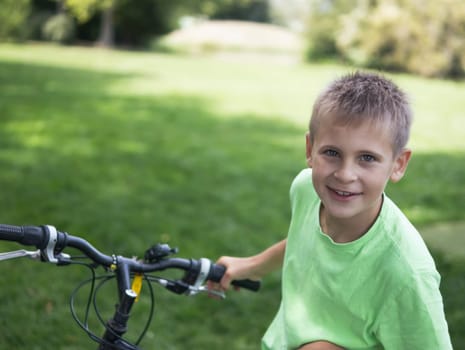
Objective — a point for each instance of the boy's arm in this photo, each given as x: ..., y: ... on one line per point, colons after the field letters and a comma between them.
x: 253, y: 267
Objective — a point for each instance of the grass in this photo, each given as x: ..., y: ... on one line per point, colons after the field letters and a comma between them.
x: 447, y: 238
x: 130, y: 148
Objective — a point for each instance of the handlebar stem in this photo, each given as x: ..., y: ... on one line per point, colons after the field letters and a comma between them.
x: 117, y: 325
x: 123, y: 275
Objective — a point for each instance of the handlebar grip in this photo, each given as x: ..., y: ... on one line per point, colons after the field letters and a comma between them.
x: 217, y: 272
x: 254, y: 286
x: 27, y: 235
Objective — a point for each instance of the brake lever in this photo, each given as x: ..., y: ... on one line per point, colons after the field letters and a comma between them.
x: 180, y: 287
x: 217, y: 293
x: 36, y: 255
x: 19, y: 254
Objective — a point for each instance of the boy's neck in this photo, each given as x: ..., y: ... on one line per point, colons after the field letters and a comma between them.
x: 346, y: 230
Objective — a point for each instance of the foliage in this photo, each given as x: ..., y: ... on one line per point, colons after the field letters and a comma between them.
x: 134, y: 23
x: 323, y: 22
x: 401, y: 34
x: 247, y: 10
x: 385, y: 34
x: 83, y: 9
x: 130, y: 148
x: 290, y: 13
x: 36, y: 24
x: 137, y: 23
x: 59, y: 28
x: 13, y: 16
x: 321, y: 42
x: 391, y: 34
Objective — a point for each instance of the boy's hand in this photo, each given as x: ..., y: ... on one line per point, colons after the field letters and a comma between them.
x: 236, y: 269
x: 252, y: 267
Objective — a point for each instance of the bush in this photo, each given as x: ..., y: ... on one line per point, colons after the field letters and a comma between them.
x: 426, y: 38
x: 322, y: 27
x: 13, y: 17
x: 321, y: 42
x: 36, y: 22
x: 59, y: 28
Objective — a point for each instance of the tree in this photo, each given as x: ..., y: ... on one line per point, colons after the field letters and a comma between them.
x: 290, y: 13
x: 247, y: 10
x: 107, y: 27
x: 127, y: 21
x: 425, y: 37
x: 136, y: 23
x: 83, y: 10
x: 420, y: 36
x: 13, y: 16
x: 323, y: 26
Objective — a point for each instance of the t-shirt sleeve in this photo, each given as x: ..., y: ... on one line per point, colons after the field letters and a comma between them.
x: 413, y: 318
x: 301, y: 188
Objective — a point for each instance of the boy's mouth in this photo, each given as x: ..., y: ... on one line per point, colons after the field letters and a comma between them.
x: 344, y: 194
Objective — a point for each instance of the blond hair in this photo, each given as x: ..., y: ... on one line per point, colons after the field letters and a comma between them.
x: 362, y: 97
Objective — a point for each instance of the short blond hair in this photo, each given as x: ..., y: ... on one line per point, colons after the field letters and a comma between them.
x: 361, y: 97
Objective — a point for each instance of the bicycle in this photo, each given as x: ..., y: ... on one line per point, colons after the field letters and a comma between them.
x: 128, y: 272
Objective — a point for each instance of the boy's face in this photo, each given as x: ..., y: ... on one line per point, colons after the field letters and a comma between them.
x: 351, y: 165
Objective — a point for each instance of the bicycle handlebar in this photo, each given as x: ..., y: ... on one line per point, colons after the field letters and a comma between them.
x: 52, y: 242
x: 26, y: 235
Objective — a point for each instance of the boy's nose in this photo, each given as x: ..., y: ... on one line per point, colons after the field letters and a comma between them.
x: 345, y: 173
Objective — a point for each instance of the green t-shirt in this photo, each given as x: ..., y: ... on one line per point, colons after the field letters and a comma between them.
x: 380, y: 291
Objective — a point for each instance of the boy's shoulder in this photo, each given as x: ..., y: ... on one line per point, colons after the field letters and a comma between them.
x: 408, y: 249
x: 302, y: 182
x: 302, y: 192
x: 303, y: 179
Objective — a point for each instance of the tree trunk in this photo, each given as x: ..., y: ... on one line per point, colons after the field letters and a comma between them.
x: 107, y: 29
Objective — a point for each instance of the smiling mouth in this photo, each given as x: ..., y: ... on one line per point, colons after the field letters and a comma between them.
x: 345, y: 194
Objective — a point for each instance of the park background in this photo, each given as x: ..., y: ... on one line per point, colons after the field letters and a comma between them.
x: 134, y: 122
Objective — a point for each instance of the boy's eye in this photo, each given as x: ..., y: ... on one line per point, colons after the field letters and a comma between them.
x: 331, y: 153
x: 367, y: 158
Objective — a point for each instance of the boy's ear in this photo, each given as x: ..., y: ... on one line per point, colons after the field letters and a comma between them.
x: 308, y: 149
x: 400, y: 165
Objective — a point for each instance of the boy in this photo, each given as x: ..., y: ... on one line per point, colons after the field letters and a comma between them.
x: 355, y: 273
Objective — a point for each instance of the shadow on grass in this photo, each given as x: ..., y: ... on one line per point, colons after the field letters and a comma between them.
x: 432, y: 189
x: 126, y: 172
x: 452, y: 288
x: 75, y: 156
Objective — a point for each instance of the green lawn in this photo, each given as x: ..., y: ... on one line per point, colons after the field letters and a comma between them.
x: 130, y: 148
